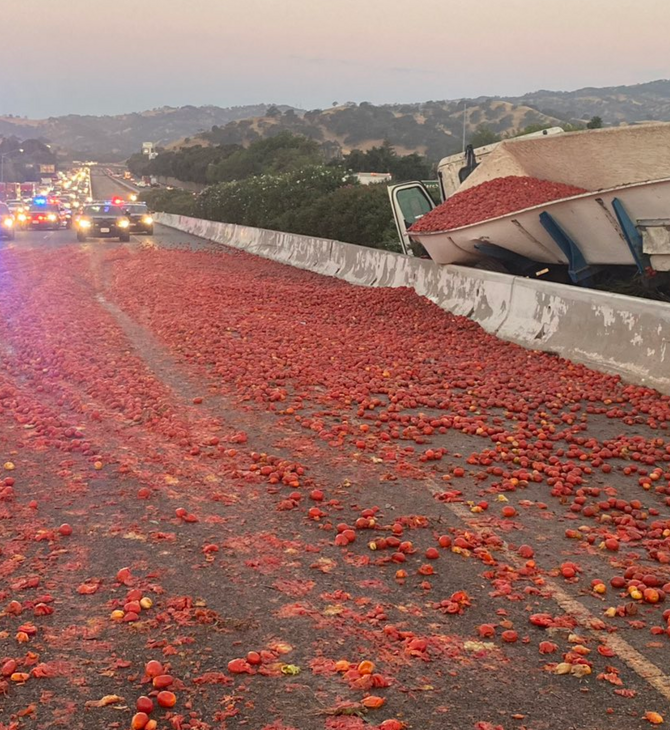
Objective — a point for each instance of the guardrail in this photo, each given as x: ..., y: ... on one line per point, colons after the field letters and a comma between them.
x: 610, y: 332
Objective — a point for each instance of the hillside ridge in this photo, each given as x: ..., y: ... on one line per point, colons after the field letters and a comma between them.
x: 433, y: 128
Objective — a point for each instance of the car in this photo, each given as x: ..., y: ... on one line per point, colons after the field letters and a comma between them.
x: 66, y: 214
x: 76, y: 215
x: 103, y: 220
x: 20, y: 212
x: 44, y: 216
x: 140, y: 218
x: 6, y: 223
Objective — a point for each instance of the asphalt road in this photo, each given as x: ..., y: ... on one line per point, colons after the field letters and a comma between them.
x: 206, y: 419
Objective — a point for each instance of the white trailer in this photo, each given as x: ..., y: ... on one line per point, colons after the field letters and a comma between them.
x: 623, y: 219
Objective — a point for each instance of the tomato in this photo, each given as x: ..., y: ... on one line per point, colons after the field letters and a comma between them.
x: 166, y: 699
x: 372, y: 702
x: 491, y: 199
x: 366, y: 667
x: 144, y: 704
x: 139, y: 721
x: 239, y: 666
x: 153, y: 668
x: 162, y: 681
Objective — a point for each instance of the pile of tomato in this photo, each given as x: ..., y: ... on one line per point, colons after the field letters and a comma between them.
x: 492, y: 199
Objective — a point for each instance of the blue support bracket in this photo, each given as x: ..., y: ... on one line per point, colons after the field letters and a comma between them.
x: 580, y: 271
x: 632, y: 236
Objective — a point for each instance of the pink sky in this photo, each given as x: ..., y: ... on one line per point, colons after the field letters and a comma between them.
x: 128, y: 55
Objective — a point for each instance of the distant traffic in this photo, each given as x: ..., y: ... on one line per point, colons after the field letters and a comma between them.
x: 67, y: 203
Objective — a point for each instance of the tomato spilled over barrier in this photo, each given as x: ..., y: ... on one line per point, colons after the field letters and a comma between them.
x: 492, y: 199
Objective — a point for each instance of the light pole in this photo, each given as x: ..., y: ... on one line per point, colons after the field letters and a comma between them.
x: 465, y: 120
x: 2, y: 162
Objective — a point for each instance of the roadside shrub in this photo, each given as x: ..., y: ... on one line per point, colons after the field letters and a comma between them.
x: 180, y: 202
x: 316, y: 200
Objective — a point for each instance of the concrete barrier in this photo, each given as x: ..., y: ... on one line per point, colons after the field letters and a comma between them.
x: 617, y: 334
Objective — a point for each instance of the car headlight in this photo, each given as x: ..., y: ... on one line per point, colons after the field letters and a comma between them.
x: 148, y: 220
x: 123, y: 223
x: 8, y: 222
x: 22, y: 217
x: 84, y: 224
x: 51, y: 217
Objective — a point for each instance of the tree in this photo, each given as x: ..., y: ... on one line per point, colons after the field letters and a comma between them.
x: 385, y: 159
x: 570, y: 127
x: 354, y: 213
x: 282, y: 152
x: 273, y: 111
x: 179, y: 202
x: 531, y: 129
x: 483, y: 135
x: 138, y: 164
x: 595, y: 123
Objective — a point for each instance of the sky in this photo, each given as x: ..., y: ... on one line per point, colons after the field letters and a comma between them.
x: 117, y: 56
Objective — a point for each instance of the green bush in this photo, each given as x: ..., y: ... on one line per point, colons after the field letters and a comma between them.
x: 262, y: 201
x: 317, y: 200
x: 354, y: 213
x: 180, y: 202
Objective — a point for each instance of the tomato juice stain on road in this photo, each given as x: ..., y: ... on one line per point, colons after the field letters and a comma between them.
x: 248, y: 483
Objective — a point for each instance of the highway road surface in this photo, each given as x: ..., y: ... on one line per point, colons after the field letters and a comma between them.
x: 312, y: 506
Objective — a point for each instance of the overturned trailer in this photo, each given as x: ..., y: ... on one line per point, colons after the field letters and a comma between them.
x: 623, y: 220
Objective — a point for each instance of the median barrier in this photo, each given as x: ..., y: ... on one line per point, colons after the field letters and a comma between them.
x: 610, y: 332
x: 484, y: 296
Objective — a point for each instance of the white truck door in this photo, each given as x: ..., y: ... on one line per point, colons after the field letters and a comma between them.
x: 410, y: 201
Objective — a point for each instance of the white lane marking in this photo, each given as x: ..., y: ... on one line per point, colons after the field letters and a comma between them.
x: 644, y: 668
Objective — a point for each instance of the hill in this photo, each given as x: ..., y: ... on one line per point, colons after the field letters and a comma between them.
x: 121, y: 135
x: 614, y: 104
x: 432, y: 128
x: 435, y: 128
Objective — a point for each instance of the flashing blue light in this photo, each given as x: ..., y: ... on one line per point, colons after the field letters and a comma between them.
x: 40, y: 201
